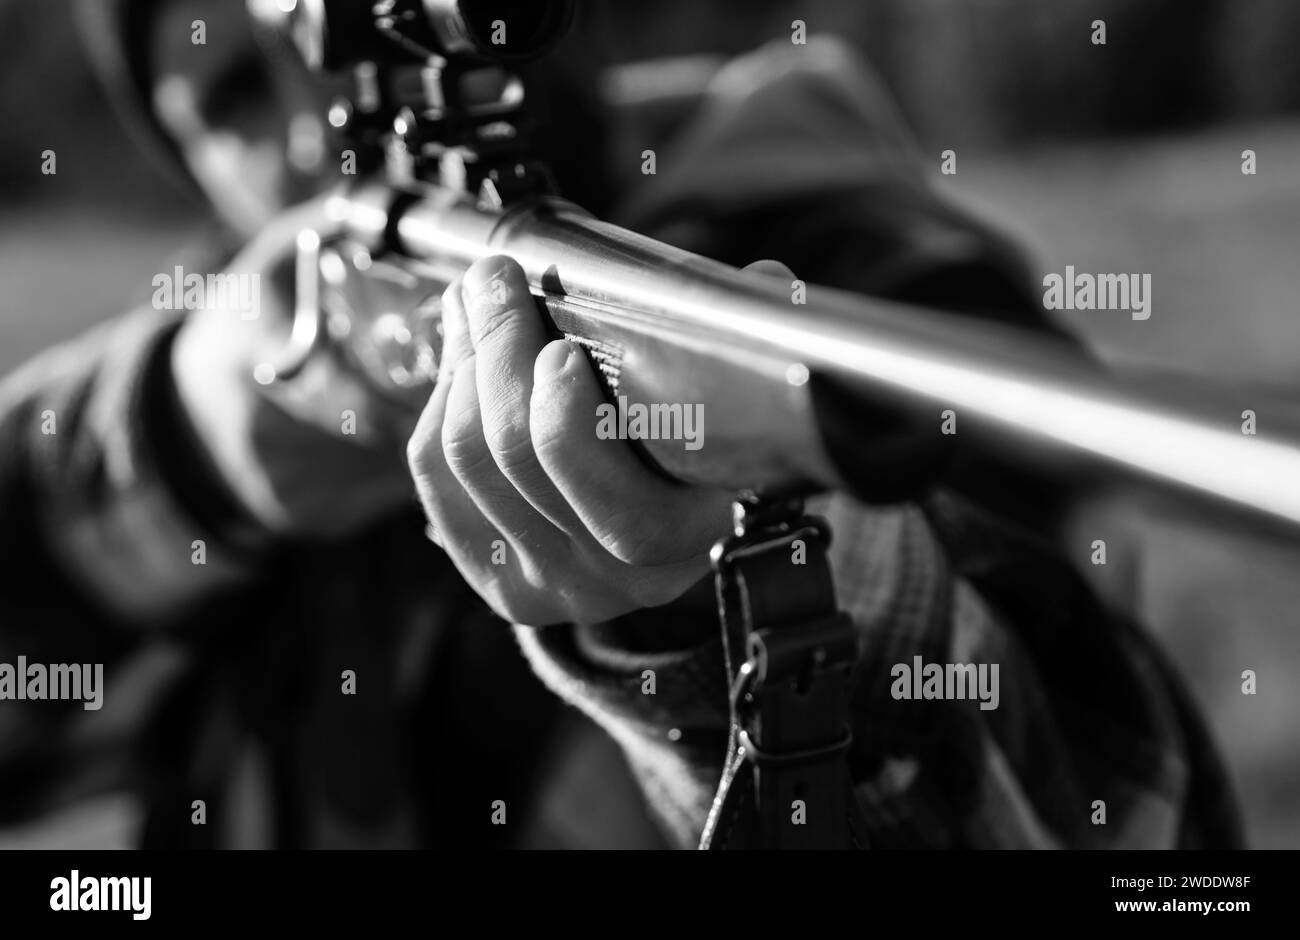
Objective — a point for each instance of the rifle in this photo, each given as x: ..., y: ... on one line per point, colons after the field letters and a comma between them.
x: 805, y: 388
x: 838, y: 392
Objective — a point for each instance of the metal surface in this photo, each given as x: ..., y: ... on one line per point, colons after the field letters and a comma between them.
x: 681, y: 328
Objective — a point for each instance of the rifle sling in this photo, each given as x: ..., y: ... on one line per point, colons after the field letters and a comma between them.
x: 786, y: 780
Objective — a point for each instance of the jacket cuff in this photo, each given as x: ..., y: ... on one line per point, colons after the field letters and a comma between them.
x: 130, y: 507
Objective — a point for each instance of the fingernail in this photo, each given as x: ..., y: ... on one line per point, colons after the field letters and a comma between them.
x: 487, y: 281
x: 553, y: 359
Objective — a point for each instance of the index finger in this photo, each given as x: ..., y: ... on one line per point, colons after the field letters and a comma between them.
x: 508, y: 332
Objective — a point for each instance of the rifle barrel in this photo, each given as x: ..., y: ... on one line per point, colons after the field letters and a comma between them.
x: 843, y: 388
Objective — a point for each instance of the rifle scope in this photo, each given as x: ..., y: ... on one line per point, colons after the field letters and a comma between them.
x: 336, y: 34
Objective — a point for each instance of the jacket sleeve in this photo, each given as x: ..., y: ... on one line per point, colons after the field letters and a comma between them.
x: 1085, y: 716
x: 115, y: 541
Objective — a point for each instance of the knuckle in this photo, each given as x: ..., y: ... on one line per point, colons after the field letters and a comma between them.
x: 512, y: 446
x: 417, y: 457
x: 463, y: 446
x: 636, y: 552
x: 422, y: 453
x: 628, y: 539
x: 495, y: 320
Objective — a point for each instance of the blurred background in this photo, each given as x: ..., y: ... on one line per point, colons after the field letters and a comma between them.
x: 1122, y: 157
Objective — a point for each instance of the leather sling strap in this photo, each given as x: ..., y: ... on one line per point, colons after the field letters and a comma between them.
x: 790, y: 653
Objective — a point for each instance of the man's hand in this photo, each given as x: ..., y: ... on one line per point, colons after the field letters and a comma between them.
x: 547, y: 522
x: 282, y: 448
